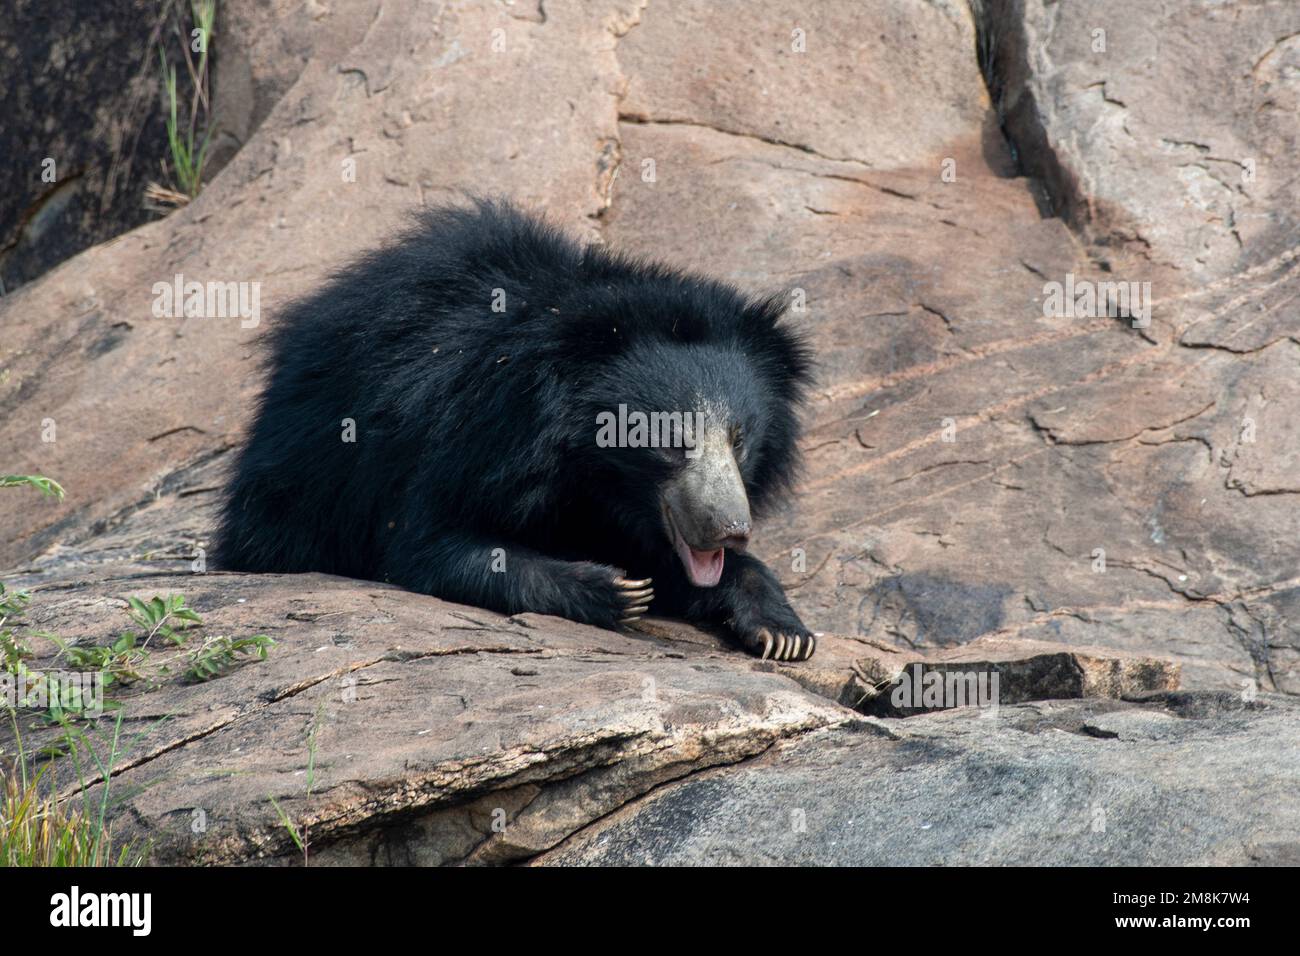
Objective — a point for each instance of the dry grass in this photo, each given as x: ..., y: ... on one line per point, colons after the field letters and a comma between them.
x: 39, y: 829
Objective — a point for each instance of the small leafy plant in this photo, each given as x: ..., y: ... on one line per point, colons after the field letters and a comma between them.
x: 162, y: 617
x: 46, y: 486
x: 129, y: 659
x: 219, y: 654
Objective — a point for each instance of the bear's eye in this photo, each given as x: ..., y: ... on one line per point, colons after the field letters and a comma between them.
x: 737, y: 439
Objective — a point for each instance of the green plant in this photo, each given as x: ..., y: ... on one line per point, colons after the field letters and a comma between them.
x: 119, y: 663
x: 219, y: 654
x: 125, y: 660
x: 187, y: 155
x: 13, y: 650
x: 159, y: 615
x: 129, y: 658
x: 300, y: 835
x: 46, y: 486
x: 38, y: 829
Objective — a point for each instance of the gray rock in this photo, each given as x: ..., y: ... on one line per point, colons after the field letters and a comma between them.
x: 82, y: 131
x: 1189, y: 778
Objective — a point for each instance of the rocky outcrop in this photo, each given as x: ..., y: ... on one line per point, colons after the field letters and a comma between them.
x: 1089, y: 506
x: 84, y: 130
x: 394, y: 728
x: 1165, y: 128
x: 1062, y: 783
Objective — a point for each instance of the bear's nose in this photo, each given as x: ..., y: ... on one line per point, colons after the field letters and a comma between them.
x: 736, y: 536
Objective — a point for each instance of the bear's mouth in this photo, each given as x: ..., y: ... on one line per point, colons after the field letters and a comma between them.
x: 703, y: 567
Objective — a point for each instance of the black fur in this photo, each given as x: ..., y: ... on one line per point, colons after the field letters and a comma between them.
x: 475, y: 429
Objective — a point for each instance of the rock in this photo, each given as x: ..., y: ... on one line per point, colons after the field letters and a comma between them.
x: 885, y: 680
x: 1084, y: 508
x: 428, y: 726
x: 1063, y: 783
x: 1170, y: 129
x: 81, y: 154
x: 760, y: 83
x: 77, y: 155
x: 418, y: 719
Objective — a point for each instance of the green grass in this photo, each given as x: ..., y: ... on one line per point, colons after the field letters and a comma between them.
x: 300, y: 835
x: 188, y: 149
x: 38, y: 829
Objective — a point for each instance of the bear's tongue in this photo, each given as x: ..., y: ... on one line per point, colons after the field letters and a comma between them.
x: 704, y: 568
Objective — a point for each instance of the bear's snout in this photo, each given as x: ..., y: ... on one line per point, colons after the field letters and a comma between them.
x: 735, y: 536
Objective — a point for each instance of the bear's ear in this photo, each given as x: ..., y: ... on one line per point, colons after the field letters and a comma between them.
x: 782, y: 352
x: 765, y: 312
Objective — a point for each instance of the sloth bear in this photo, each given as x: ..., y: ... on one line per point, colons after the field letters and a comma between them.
x: 491, y: 413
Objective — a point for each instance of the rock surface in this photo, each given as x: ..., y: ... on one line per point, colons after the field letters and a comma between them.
x: 84, y: 133
x: 1064, y: 783
x: 427, y: 721
x: 1170, y: 128
x: 77, y: 154
x: 1084, y: 507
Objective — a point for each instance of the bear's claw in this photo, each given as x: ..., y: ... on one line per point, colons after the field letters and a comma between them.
x: 783, y: 647
x: 637, y: 595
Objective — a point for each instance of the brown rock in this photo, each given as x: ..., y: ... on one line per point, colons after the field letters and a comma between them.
x: 432, y: 733
x: 408, y: 708
x: 1168, y: 128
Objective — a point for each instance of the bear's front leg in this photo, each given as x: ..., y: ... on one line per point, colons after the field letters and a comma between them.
x: 750, y: 602
x: 513, y: 580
